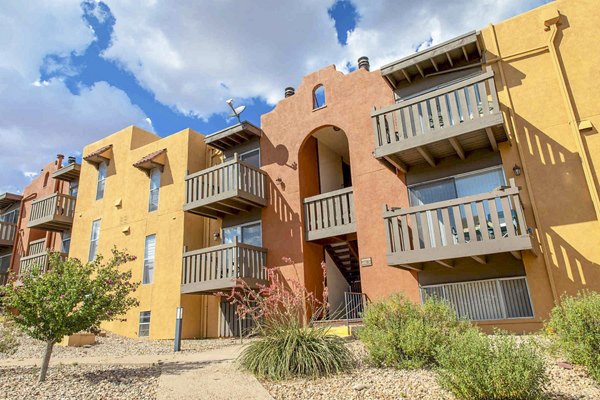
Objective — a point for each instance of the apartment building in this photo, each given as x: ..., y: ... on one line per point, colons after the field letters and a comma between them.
x: 10, y: 204
x: 131, y: 196
x: 40, y: 218
x: 467, y: 171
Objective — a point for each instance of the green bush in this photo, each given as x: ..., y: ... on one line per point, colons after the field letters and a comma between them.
x: 399, y: 333
x: 8, y: 339
x: 575, y: 325
x: 294, y: 351
x: 474, y: 366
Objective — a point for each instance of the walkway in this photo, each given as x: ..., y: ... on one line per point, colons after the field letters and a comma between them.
x: 206, y: 375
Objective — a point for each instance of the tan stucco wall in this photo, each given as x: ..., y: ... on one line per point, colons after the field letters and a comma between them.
x: 125, y: 205
x: 544, y: 143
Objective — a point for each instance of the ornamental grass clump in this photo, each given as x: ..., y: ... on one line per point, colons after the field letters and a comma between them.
x: 399, y: 333
x: 575, y: 327
x: 288, y: 347
x: 474, y: 366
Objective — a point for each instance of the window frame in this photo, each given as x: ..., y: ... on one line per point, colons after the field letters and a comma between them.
x: 315, y: 101
x: 156, y: 190
x: 146, y: 324
x: 101, y: 182
x: 240, y: 227
x: 245, y: 153
x: 94, y: 242
x: 149, y: 263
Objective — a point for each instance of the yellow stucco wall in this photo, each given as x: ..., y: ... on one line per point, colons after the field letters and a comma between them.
x: 125, y: 206
x: 556, y: 194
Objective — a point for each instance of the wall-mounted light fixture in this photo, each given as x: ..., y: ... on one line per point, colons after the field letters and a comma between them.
x: 517, y: 170
x: 278, y: 181
x: 216, y: 236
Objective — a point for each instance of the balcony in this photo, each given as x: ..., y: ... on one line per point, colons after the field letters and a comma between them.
x: 7, y: 234
x: 52, y: 213
x: 473, y: 226
x: 451, y: 120
x: 225, y: 189
x: 329, y: 215
x: 221, y: 267
x: 41, y: 260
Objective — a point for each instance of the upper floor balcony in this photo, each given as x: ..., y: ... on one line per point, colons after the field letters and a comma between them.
x: 225, y: 189
x: 450, y: 120
x: 52, y: 213
x: 472, y: 226
x: 40, y: 260
x: 222, y: 267
x: 329, y: 214
x: 7, y: 234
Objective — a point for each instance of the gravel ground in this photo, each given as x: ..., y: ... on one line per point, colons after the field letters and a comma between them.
x: 75, y: 382
x: 114, y: 346
x: 367, y: 382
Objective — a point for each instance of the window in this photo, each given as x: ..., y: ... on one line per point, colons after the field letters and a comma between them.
x: 95, y: 235
x: 318, y: 97
x: 251, y: 157
x: 101, y: 180
x: 250, y: 233
x: 46, y: 177
x: 154, y: 187
x: 73, y: 188
x: 149, y: 251
x: 66, y: 242
x: 144, y: 324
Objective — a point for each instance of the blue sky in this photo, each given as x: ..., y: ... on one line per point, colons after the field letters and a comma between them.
x: 72, y: 72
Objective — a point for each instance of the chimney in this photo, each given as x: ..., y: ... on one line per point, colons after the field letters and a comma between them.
x: 363, y: 62
x: 71, y: 160
x: 59, y: 159
x: 289, y: 91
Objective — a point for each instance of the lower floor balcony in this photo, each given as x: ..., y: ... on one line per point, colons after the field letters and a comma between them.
x: 485, y: 300
x: 473, y: 226
x: 7, y: 234
x: 223, y: 267
x: 41, y: 261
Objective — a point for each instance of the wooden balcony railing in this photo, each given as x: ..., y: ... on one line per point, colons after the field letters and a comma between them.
x: 41, y: 260
x: 470, y: 226
x: 219, y: 267
x: 227, y: 188
x: 7, y: 233
x: 52, y: 213
x: 443, y: 122
x: 329, y: 214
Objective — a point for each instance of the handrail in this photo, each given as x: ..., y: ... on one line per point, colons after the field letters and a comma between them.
x: 327, y: 195
x: 56, y: 204
x: 223, y: 246
x: 433, y: 94
x: 234, y: 160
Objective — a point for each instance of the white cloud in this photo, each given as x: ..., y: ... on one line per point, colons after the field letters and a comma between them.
x: 39, y: 119
x: 196, y: 55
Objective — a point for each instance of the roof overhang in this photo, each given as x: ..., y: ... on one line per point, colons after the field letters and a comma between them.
x: 458, y: 53
x: 103, y: 154
x: 68, y: 173
x: 233, y: 136
x: 7, y: 199
x: 153, y: 160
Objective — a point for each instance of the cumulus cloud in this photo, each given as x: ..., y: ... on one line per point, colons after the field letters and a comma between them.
x: 39, y: 119
x: 195, y: 55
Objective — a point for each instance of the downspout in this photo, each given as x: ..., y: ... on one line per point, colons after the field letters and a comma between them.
x: 552, y: 26
x: 513, y: 125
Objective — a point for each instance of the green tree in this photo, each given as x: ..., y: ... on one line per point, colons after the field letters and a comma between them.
x: 69, y: 298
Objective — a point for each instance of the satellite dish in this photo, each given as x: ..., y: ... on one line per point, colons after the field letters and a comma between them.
x: 235, y: 111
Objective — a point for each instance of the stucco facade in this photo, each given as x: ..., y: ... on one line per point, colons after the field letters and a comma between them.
x: 125, y: 222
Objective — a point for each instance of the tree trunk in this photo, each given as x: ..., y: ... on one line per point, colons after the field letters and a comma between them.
x: 46, y: 361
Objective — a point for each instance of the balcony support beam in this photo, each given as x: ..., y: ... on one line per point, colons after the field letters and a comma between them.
x: 397, y: 164
x: 446, y: 263
x: 426, y: 155
x: 492, y: 138
x: 407, y: 76
x: 480, y: 259
x: 457, y: 147
x: 516, y: 254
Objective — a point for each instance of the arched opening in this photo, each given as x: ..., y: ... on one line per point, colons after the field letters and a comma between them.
x: 319, y: 97
x: 330, y: 234
x: 46, y: 177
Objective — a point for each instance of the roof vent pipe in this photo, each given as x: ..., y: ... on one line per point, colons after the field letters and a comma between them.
x: 363, y: 62
x: 289, y: 91
x: 71, y: 160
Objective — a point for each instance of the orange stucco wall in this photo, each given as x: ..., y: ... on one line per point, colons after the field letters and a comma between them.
x: 36, y: 190
x: 349, y: 99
